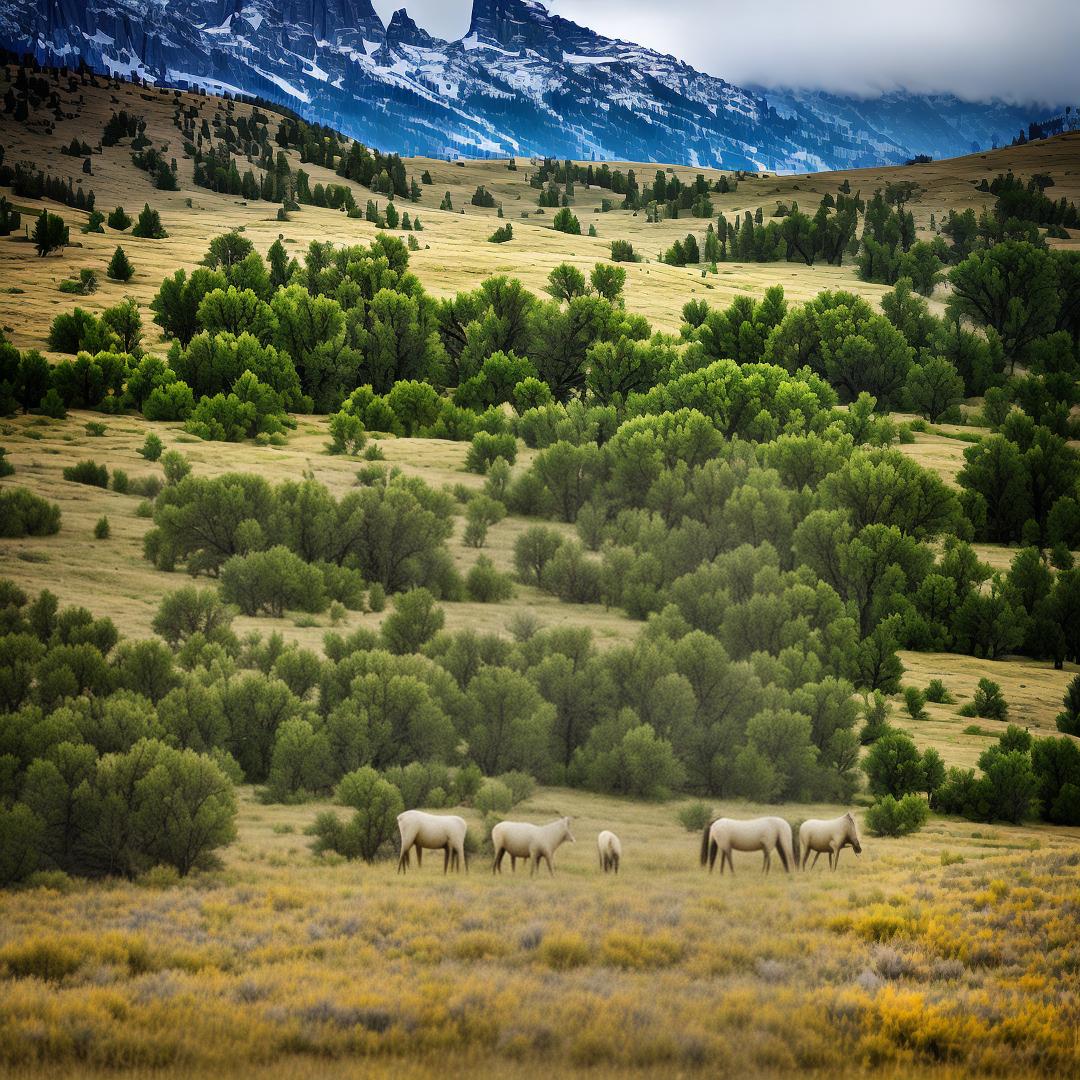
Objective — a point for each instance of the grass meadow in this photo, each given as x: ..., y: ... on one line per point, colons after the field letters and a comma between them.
x: 954, y: 952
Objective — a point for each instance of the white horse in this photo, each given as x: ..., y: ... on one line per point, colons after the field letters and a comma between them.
x: 610, y: 849
x: 520, y: 840
x: 766, y: 834
x: 829, y: 836
x: 422, y: 830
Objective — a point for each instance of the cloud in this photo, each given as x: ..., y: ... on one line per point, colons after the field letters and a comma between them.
x: 974, y: 48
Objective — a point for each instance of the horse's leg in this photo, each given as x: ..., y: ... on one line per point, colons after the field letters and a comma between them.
x: 419, y: 855
x: 497, y: 864
x: 836, y: 858
x: 767, y: 861
x: 817, y: 855
x: 547, y: 859
x: 615, y: 862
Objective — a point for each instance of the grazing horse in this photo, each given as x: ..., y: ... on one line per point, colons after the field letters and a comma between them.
x: 766, y: 834
x: 422, y: 830
x: 829, y: 836
x: 520, y: 840
x: 607, y: 843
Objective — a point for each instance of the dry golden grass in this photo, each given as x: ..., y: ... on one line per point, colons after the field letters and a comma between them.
x: 950, y: 952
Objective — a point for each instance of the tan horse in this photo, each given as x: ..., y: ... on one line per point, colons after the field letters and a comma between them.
x: 435, y: 831
x: 767, y: 834
x: 610, y: 849
x: 831, y: 836
x: 520, y: 840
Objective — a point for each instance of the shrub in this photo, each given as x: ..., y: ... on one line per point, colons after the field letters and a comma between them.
x: 272, y: 581
x: 988, y: 702
x: 623, y: 251
x: 175, y: 466
x: 521, y: 785
x: 347, y: 434
x: 875, y: 711
x: 695, y: 816
x: 485, y: 585
x: 151, y: 447
x: 485, y: 448
x: 377, y: 804
x: 52, y: 405
x: 416, y: 619
x: 119, y: 220
x: 101, y: 529
x: 502, y: 235
x: 915, y: 703
x: 22, y: 513
x: 572, y: 576
x: 481, y: 513
x: 88, y: 472
x: 377, y: 597
x: 938, y: 693
x: 95, y: 429
x: 892, y: 817
x: 494, y: 797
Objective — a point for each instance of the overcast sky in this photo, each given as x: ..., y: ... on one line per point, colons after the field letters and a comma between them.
x: 976, y: 48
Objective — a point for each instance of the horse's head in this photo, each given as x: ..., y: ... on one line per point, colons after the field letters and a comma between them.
x: 566, y: 830
x: 853, y: 834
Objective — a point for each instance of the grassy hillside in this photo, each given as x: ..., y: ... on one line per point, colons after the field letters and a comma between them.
x: 946, y: 953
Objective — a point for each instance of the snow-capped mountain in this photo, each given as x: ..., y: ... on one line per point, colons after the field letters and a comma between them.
x: 522, y: 81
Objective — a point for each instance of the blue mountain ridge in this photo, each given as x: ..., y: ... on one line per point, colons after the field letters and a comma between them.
x: 522, y: 81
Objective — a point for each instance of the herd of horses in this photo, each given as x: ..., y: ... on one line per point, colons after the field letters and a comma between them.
x: 538, y: 843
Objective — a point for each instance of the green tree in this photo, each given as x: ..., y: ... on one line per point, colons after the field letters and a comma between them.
x: 50, y: 233
x: 416, y: 618
x: 566, y: 222
x: 565, y: 282
x: 1012, y: 288
x: 149, y: 224
x: 894, y: 766
x: 508, y: 725
x: 273, y: 581
x: 120, y: 267
x: 376, y: 803
x: 185, y: 809
x: 934, y: 390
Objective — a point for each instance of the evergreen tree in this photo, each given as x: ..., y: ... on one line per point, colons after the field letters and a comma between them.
x: 120, y: 267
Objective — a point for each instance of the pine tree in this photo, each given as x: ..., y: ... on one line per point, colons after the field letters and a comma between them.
x: 120, y: 268
x: 149, y: 224
x: 50, y: 233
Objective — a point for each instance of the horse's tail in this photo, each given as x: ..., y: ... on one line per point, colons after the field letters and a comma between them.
x: 781, y: 845
x: 705, y: 843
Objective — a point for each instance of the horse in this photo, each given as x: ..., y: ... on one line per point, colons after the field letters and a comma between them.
x: 828, y: 836
x: 422, y: 830
x: 521, y: 840
x: 724, y: 835
x: 610, y: 849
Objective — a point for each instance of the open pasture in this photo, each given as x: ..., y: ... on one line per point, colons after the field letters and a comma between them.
x: 950, y: 953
